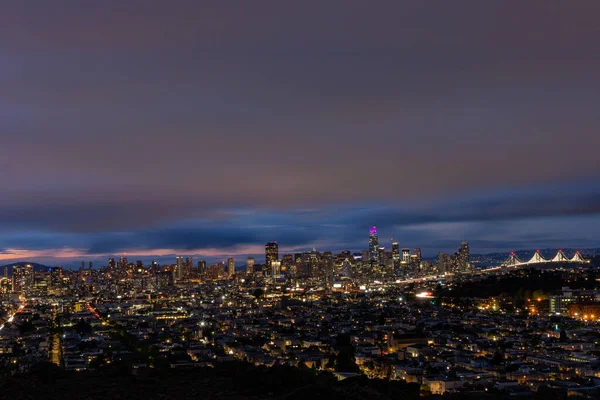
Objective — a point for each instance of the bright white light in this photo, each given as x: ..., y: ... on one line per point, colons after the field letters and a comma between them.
x: 424, y: 294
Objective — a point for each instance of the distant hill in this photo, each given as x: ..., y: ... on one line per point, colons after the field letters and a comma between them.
x: 36, y: 267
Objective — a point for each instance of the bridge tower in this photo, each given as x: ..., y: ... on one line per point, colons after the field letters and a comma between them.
x: 560, y: 257
x: 577, y: 257
x: 512, y: 260
x: 537, y: 258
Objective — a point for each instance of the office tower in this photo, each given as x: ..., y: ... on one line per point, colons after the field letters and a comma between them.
x: 202, y: 267
x: 230, y: 267
x: 189, y: 265
x: 112, y: 263
x: 6, y: 272
x: 298, y: 264
x: 249, y: 265
x: 214, y: 271
x: 406, y: 256
x: 327, y: 267
x: 275, y: 269
x: 123, y: 262
x: 395, y: 252
x: 28, y: 277
x: 417, y: 254
x: 23, y: 278
x: 271, y: 253
x: 396, y: 259
x: 179, y: 268
x: 381, y: 256
x: 155, y: 267
x: 17, y: 279
x: 444, y: 263
x: 287, y: 260
x: 373, y: 245
x: 91, y: 265
x: 463, y: 258
x: 82, y: 266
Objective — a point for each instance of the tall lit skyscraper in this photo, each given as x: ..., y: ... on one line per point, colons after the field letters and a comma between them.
x: 230, y: 267
x: 179, y: 268
x: 250, y: 265
x: 373, y: 245
x: 275, y: 269
x: 381, y: 256
x: 417, y: 254
x: 271, y: 252
x: 189, y: 265
x: 405, y: 255
x: 23, y: 278
x: 395, y: 251
x: 463, y: 258
x: 202, y: 267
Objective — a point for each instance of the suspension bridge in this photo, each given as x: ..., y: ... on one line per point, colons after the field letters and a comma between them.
x: 514, y: 261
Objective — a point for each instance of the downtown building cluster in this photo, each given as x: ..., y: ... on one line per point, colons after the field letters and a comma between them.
x: 294, y: 309
x: 346, y: 269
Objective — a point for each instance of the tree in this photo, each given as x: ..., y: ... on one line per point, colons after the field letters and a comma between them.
x: 345, y: 361
x: 258, y: 293
x: 83, y: 327
x: 26, y: 328
x: 498, y: 358
x: 563, y: 335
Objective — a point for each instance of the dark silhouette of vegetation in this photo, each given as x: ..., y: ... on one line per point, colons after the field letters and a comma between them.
x: 83, y: 327
x: 258, y: 293
x: 230, y: 380
x: 26, y: 328
x: 343, y: 359
x: 522, y: 285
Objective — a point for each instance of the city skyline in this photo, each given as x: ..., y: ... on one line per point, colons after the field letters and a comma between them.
x: 173, y: 134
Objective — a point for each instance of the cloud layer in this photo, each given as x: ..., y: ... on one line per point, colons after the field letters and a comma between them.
x: 189, y: 126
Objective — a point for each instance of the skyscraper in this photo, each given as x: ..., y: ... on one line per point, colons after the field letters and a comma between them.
x: 230, y: 267
x: 405, y: 255
x: 250, y: 265
x: 23, y: 278
x: 417, y: 254
x: 189, y: 265
x: 373, y: 245
x: 381, y: 256
x: 463, y: 258
x: 395, y: 252
x: 202, y: 267
x: 271, y: 252
x: 179, y: 269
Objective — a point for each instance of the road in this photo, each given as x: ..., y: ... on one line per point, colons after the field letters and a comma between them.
x: 55, y: 344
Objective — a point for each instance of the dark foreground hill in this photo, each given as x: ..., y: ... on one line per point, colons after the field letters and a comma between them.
x: 225, y: 381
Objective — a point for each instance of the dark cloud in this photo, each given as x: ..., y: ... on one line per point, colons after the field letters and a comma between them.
x: 120, y: 119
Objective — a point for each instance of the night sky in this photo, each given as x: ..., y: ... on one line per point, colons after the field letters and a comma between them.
x: 209, y: 128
